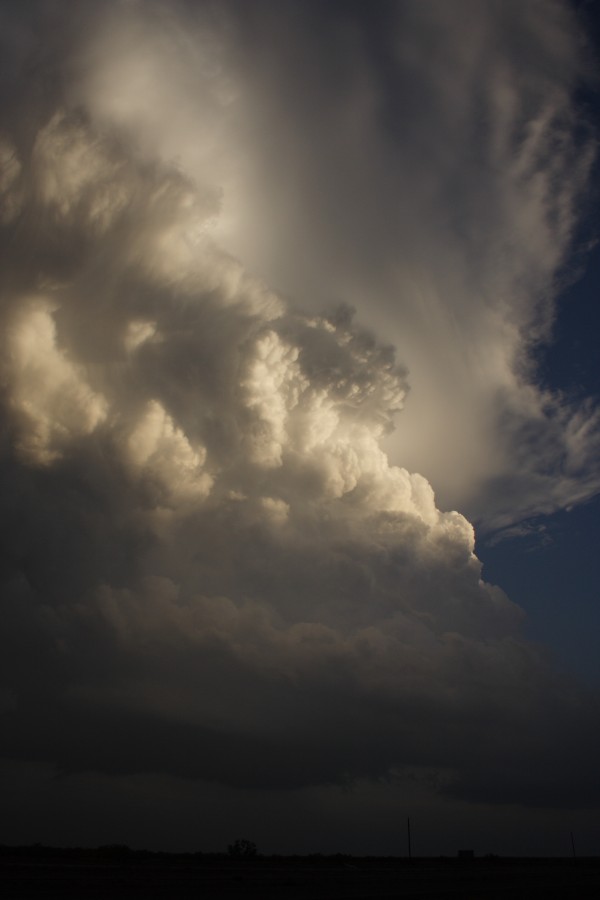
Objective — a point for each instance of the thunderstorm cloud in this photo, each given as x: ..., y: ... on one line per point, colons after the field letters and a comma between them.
x: 214, y: 563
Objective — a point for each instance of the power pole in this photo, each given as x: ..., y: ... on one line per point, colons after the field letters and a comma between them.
x: 573, y: 846
x: 409, y: 848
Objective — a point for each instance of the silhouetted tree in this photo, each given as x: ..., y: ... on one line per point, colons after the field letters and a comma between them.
x: 242, y: 849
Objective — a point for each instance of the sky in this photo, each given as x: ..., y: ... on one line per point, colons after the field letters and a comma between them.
x: 300, y: 425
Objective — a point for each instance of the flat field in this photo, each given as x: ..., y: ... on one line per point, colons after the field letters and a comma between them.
x: 298, y: 878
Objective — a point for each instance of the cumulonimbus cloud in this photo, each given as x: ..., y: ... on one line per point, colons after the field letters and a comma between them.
x: 205, y: 546
x: 428, y: 164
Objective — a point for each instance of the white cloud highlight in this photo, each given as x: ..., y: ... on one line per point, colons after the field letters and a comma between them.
x: 50, y: 394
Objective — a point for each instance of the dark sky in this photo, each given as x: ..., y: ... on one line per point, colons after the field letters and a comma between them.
x: 296, y: 299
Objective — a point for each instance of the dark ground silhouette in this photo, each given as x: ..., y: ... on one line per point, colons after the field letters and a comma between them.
x: 116, y: 872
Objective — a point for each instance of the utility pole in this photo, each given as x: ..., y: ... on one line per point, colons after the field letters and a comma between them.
x: 573, y: 846
x: 409, y: 848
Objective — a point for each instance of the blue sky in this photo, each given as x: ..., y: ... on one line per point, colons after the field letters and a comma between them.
x: 555, y: 577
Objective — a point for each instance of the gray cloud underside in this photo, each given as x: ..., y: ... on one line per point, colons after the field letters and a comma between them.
x: 209, y: 566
